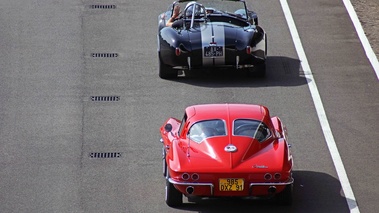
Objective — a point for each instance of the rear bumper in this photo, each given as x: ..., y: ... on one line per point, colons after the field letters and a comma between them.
x: 239, y: 62
x: 194, y: 59
x: 208, y: 188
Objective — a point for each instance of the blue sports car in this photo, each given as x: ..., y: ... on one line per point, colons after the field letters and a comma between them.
x: 210, y: 34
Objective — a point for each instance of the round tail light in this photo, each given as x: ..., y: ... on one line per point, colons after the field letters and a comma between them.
x: 195, y: 176
x: 185, y: 176
x: 177, y: 51
x: 268, y: 176
x: 277, y: 176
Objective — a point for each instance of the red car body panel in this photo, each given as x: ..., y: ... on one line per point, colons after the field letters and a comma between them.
x: 257, y: 163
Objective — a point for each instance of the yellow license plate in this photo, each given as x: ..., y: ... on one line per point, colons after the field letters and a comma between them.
x: 231, y: 184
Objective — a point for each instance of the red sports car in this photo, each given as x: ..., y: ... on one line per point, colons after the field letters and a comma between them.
x: 226, y: 150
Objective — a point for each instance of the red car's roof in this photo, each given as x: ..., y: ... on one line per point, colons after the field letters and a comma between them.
x: 228, y: 112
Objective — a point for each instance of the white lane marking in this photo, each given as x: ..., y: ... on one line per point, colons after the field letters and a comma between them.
x: 338, y: 164
x: 362, y: 36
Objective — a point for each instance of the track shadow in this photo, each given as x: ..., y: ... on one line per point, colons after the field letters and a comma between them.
x: 313, y: 192
x: 280, y: 71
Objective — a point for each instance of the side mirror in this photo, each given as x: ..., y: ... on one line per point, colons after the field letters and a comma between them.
x: 168, y: 127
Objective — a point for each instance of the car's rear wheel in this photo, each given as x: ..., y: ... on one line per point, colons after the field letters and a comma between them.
x: 173, y: 197
x: 285, y: 197
x: 166, y: 71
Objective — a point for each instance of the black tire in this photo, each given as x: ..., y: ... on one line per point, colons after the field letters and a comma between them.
x: 166, y: 72
x: 164, y: 166
x: 173, y: 197
x: 190, y: 73
x: 194, y: 199
x: 284, y: 198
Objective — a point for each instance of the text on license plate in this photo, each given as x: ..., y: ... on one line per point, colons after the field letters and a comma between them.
x: 231, y: 184
x: 213, y: 51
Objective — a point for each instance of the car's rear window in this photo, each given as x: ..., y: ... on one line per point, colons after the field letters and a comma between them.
x: 251, y: 128
x: 207, y: 128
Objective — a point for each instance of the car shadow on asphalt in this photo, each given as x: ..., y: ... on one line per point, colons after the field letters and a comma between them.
x: 280, y: 71
x: 313, y: 192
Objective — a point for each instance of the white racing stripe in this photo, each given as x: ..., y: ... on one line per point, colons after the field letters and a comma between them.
x: 342, y: 175
x: 206, y: 38
x: 219, y: 38
x: 211, y: 34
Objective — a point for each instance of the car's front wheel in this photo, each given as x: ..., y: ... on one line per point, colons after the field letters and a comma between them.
x: 173, y: 197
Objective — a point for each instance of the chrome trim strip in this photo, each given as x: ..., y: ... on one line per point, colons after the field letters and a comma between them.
x: 189, y: 62
x: 212, y: 186
x: 273, y: 183
x: 192, y: 184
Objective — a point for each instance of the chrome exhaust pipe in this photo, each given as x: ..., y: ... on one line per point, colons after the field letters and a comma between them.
x: 190, y: 190
x: 271, y: 189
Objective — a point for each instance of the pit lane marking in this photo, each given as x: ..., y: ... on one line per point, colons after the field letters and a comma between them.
x: 338, y: 164
x: 362, y: 36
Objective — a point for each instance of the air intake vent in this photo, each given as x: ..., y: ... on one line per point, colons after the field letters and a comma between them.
x: 104, y: 55
x: 105, y: 98
x: 105, y: 155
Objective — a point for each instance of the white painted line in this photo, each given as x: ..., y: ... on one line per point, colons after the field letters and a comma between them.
x: 338, y: 164
x: 362, y: 36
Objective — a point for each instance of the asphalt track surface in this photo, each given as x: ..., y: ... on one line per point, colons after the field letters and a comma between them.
x: 54, y: 127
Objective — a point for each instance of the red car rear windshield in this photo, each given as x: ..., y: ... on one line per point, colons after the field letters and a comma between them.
x: 208, y: 128
x: 251, y: 128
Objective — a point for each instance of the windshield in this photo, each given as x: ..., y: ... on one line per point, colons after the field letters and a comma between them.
x: 205, y: 129
x: 235, y: 8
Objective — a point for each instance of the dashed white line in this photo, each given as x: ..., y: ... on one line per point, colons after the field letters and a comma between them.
x: 362, y: 36
x: 338, y: 164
